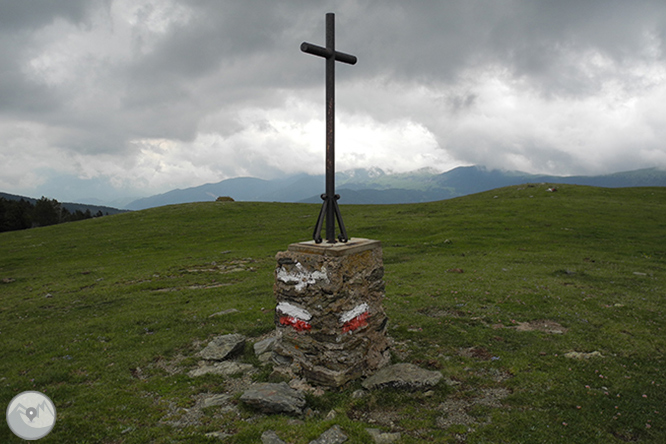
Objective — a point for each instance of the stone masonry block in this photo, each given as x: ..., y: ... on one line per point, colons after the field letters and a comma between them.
x: 329, y: 310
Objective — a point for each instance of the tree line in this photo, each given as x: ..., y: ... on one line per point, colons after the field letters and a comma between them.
x: 22, y: 214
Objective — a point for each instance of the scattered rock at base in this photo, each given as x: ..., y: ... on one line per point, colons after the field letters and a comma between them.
x: 274, y: 398
x: 264, y: 348
x: 582, y: 355
x: 543, y: 325
x: 224, y: 368
x: 223, y: 347
x: 456, y: 416
x: 334, y: 435
x: 224, y: 312
x: 476, y: 353
x: 358, y: 394
x: 215, y: 400
x: 220, y: 435
x: 406, y: 376
x: 281, y: 372
x: 380, y: 437
x: 301, y: 384
x: 270, y: 437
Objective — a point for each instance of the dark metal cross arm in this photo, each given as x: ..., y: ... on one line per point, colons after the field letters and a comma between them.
x: 326, y: 53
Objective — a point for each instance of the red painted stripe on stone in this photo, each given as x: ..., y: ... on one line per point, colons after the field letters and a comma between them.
x: 356, y: 323
x: 297, y: 324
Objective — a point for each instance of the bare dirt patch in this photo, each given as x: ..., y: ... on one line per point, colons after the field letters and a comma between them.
x: 476, y: 353
x: 438, y: 312
x: 456, y: 411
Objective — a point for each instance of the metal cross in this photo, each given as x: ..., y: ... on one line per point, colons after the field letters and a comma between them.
x: 330, y: 206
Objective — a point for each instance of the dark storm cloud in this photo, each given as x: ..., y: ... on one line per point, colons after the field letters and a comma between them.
x: 225, y: 55
x: 98, y: 76
x: 251, y: 49
x: 27, y: 15
x: 549, y: 42
x: 19, y: 96
x: 544, y: 41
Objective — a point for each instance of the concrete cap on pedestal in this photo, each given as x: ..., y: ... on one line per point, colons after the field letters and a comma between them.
x: 352, y: 246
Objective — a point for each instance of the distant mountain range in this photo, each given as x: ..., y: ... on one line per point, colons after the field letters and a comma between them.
x: 374, y: 186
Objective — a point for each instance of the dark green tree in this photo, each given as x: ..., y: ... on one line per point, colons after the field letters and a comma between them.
x: 46, y: 212
x: 15, y: 215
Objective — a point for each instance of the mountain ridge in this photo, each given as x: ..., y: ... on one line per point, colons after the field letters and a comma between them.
x: 375, y: 186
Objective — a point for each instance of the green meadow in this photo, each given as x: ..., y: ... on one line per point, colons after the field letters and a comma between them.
x: 545, y: 312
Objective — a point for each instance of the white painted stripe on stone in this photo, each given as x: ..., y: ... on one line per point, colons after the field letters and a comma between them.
x: 301, y: 277
x: 293, y: 311
x: 356, y: 311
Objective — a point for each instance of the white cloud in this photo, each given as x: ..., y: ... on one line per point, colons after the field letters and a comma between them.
x: 149, y: 95
x: 512, y: 126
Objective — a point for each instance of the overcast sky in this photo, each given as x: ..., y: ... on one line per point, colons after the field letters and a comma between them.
x: 116, y: 98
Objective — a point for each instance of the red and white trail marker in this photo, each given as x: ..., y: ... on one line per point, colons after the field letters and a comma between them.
x: 355, y: 318
x: 294, y: 316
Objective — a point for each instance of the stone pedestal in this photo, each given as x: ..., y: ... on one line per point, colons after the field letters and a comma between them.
x: 329, y: 310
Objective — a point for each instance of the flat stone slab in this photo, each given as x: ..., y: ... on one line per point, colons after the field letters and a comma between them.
x: 224, y: 368
x: 274, y: 398
x: 338, y: 249
x: 223, y: 347
x: 405, y: 376
x: 334, y: 435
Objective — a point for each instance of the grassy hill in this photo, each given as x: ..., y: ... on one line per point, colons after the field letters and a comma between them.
x: 492, y: 289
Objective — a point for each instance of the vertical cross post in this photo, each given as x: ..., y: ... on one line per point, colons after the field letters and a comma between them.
x: 330, y: 208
